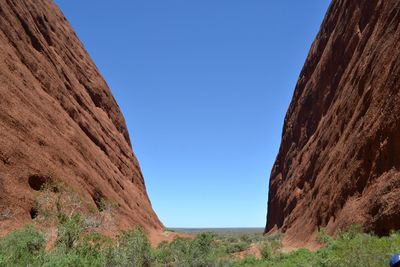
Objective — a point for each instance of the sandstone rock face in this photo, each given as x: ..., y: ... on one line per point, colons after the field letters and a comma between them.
x: 59, y: 121
x: 339, y: 160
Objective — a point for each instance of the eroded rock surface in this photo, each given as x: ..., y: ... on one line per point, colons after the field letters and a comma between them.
x: 339, y: 160
x: 59, y: 121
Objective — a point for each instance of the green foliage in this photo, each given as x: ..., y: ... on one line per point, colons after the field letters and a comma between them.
x: 69, y: 230
x: 201, y: 251
x: 22, y: 248
x: 135, y: 248
x: 163, y: 254
x: 358, y: 249
x: 248, y: 261
x: 204, y: 244
x: 79, y: 256
x: 324, y: 238
x: 246, y: 238
x: 236, y: 247
x: 298, y: 258
x: 351, y: 232
x: 270, y: 249
x: 76, y: 246
x: 204, y: 250
x: 106, y: 205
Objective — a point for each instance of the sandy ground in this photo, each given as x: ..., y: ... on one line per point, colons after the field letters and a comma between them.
x: 167, y: 236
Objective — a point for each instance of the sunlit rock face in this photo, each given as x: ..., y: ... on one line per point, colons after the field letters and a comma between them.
x: 59, y: 122
x: 339, y: 160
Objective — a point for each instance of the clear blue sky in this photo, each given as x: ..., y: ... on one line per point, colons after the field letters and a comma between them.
x: 204, y: 86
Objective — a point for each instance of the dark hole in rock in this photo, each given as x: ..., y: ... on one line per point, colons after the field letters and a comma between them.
x: 34, y: 213
x: 36, y: 182
x: 98, y: 199
x: 55, y: 189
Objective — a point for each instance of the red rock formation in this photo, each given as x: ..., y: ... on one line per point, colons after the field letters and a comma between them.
x: 339, y: 160
x: 59, y: 121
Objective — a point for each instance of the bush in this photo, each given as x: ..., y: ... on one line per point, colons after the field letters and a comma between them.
x: 198, y: 252
x: 350, y: 233
x: 180, y: 251
x: 22, y: 248
x: 270, y: 249
x: 236, y: 247
x: 298, y: 258
x: 60, y: 257
x: 249, y: 261
x: 352, y: 249
x: 163, y: 254
x: 324, y: 238
x: 203, y: 244
x: 135, y: 248
x: 88, y: 250
x: 69, y: 230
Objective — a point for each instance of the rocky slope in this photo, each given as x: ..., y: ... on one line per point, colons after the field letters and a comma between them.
x: 60, y: 122
x: 339, y: 160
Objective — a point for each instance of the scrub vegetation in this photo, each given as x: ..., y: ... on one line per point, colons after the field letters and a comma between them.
x: 74, y: 247
x: 77, y: 242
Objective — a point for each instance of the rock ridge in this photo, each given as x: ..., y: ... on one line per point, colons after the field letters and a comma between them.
x: 338, y: 162
x: 59, y: 121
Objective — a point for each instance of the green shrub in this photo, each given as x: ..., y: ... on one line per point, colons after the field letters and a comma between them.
x: 180, y: 251
x: 60, y: 258
x: 350, y: 233
x: 203, y: 244
x: 69, y: 230
x: 236, y: 247
x: 298, y: 258
x: 270, y: 249
x: 135, y: 248
x: 250, y: 261
x: 22, y: 248
x: 163, y: 254
x: 324, y: 238
x: 88, y: 250
x: 246, y: 238
x: 352, y: 249
x: 198, y: 252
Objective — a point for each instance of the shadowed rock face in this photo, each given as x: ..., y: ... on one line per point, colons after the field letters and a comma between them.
x: 59, y: 121
x: 339, y: 160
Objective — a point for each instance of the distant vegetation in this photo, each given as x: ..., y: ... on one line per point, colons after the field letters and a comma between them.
x: 78, y: 243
